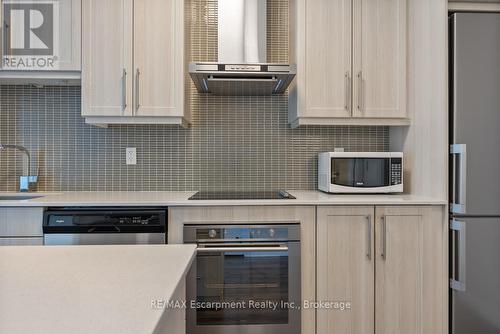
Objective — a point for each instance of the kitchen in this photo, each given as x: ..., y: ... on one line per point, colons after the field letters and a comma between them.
x: 279, y: 153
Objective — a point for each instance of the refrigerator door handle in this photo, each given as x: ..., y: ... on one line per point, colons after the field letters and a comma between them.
x: 459, y: 180
x: 458, y: 262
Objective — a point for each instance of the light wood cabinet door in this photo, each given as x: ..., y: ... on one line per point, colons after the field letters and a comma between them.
x: 327, y: 73
x: 345, y: 268
x: 70, y: 32
x: 59, y: 33
x: 21, y: 222
x: 107, y: 58
x: 379, y: 49
x: 411, y: 276
x: 158, y: 58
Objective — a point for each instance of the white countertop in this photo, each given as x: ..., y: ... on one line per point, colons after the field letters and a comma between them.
x: 166, y: 198
x: 88, y: 289
x: 321, y: 198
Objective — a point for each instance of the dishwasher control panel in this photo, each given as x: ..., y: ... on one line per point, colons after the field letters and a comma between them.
x: 104, y: 220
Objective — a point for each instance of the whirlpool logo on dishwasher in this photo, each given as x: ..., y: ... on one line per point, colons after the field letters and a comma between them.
x: 31, y: 34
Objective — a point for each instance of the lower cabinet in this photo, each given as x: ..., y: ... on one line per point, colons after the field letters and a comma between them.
x: 21, y: 226
x: 21, y: 241
x: 20, y: 222
x: 345, y: 269
x: 388, y: 263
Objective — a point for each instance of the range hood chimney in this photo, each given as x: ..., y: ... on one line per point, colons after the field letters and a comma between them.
x: 242, y: 28
x: 242, y: 67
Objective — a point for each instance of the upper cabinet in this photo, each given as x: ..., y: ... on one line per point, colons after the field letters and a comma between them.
x: 40, y: 39
x: 159, y: 57
x: 107, y: 74
x: 327, y: 71
x: 379, y: 89
x: 351, y: 62
x: 133, y: 62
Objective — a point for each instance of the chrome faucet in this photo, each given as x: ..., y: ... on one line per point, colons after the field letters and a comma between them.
x: 27, y: 182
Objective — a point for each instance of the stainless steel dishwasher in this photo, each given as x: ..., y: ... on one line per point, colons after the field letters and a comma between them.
x: 105, y: 226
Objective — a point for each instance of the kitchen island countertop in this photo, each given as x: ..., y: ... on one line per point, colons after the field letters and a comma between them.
x: 89, y: 289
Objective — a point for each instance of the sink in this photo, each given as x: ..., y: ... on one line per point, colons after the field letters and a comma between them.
x: 18, y: 197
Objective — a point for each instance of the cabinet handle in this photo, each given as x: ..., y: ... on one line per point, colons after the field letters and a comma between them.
x: 124, y: 89
x: 347, y: 96
x: 361, y: 91
x: 384, y: 238
x: 137, y: 91
x: 369, y: 237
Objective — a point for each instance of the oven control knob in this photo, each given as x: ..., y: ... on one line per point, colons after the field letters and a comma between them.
x: 212, y: 234
x: 272, y: 232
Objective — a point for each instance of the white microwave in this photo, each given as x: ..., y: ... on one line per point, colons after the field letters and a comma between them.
x: 360, y: 172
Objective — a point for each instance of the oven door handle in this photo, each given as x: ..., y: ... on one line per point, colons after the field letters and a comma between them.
x: 242, y: 249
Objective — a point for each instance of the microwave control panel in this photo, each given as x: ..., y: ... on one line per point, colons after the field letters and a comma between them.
x: 396, y: 171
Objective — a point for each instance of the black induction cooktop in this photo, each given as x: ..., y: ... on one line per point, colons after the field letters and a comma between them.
x: 241, y: 195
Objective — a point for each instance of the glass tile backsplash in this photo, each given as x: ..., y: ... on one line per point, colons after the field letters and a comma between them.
x: 233, y: 143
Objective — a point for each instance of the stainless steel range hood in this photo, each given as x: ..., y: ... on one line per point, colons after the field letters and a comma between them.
x: 242, y: 47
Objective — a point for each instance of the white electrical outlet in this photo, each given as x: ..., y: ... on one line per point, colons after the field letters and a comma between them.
x: 131, y: 155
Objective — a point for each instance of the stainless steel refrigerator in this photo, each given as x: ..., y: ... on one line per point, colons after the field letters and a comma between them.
x: 475, y: 173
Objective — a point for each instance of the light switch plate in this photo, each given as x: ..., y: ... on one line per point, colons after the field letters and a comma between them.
x: 131, y: 155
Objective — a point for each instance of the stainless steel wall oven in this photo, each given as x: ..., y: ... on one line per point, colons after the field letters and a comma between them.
x: 246, y: 279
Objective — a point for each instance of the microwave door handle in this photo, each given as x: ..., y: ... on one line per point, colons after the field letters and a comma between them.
x: 241, y: 249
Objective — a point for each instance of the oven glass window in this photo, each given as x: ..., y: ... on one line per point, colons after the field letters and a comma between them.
x: 247, y: 288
